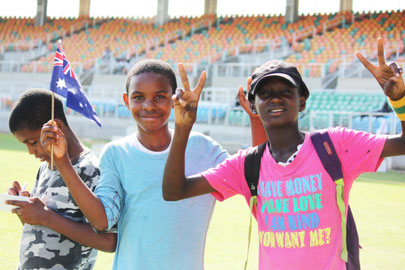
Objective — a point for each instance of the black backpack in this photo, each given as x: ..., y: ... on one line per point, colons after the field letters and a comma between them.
x: 331, y: 163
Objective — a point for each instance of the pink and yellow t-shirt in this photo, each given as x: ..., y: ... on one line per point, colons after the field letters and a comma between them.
x: 297, y: 214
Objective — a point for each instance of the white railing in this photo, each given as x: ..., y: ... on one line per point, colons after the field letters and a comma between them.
x: 174, y: 35
x: 338, y: 20
x: 34, y: 66
x: 246, y: 70
x: 78, y: 26
x: 357, y: 70
x: 60, y: 34
x: 198, y: 25
x: 304, y: 33
x: 233, y: 70
x: 372, y: 122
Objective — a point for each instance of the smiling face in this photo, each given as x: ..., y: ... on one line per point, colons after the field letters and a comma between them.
x: 149, y: 99
x: 278, y: 102
x: 31, y: 139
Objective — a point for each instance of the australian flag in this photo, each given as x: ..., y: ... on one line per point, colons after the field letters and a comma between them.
x: 65, y: 83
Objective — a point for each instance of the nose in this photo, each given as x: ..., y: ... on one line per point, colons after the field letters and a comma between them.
x: 275, y: 98
x: 148, y: 104
x: 31, y: 150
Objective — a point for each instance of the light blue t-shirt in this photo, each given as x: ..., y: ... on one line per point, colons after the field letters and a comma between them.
x: 153, y: 233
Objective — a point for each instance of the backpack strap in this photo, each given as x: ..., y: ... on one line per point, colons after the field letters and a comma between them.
x: 252, y: 167
x: 330, y: 161
x: 252, y: 170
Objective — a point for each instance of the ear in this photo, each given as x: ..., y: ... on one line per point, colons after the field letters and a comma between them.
x: 125, y: 98
x: 303, y: 104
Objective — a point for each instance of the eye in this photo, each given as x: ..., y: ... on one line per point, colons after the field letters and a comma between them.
x: 264, y: 93
x: 286, y: 92
x: 137, y: 98
x: 160, y: 97
x: 33, y: 143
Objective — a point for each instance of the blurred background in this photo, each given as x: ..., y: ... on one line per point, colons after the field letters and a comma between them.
x: 228, y: 39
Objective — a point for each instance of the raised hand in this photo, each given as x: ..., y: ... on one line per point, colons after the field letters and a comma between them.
x: 388, y: 76
x: 243, y: 100
x: 52, y: 135
x: 186, y: 100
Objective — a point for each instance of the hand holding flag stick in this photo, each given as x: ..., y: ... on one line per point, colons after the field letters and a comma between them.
x: 65, y: 83
x: 52, y: 118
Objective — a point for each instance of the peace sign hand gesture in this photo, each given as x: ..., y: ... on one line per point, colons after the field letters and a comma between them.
x: 186, y: 100
x: 388, y: 76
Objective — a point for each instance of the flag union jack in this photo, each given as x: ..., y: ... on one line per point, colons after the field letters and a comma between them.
x: 65, y: 83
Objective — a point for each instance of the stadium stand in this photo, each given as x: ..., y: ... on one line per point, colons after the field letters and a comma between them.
x: 321, y: 45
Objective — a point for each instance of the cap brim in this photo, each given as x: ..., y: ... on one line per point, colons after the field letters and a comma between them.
x: 282, y: 75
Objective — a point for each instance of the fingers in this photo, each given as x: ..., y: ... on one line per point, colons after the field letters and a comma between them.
x: 249, y: 82
x: 388, y: 85
x: 201, y: 82
x: 17, y: 211
x: 365, y: 62
x: 14, y: 189
x: 380, y: 52
x: 183, y: 76
x: 241, y: 96
x: 177, y: 96
x: 25, y: 193
x: 240, y: 91
x: 50, y: 133
x: 16, y: 203
x: 396, y: 68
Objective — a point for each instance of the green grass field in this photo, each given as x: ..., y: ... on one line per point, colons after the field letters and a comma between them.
x: 377, y: 200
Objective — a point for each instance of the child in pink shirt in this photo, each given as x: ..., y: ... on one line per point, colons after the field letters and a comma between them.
x: 298, y: 217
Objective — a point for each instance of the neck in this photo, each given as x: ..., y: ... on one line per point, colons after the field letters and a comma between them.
x: 75, y: 146
x: 284, y: 141
x: 154, y: 141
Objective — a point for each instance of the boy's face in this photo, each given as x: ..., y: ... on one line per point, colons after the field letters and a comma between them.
x: 149, y: 99
x: 31, y: 139
x: 278, y: 102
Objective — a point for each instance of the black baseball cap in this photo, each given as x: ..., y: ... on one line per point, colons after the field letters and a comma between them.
x: 277, y: 68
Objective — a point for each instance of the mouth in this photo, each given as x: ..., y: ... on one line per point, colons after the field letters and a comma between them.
x: 277, y: 111
x: 41, y: 158
x: 150, y: 116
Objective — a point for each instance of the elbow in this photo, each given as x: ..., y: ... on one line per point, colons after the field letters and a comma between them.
x: 100, y: 226
x: 110, y: 243
x: 167, y: 196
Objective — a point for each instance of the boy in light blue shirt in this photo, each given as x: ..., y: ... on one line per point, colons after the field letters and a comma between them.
x: 152, y: 233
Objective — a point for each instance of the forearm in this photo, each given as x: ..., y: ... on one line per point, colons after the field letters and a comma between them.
x: 395, y: 145
x: 259, y: 135
x: 174, y: 180
x: 81, y: 233
x: 88, y: 202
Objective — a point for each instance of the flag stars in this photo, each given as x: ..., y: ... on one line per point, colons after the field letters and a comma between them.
x: 61, y: 83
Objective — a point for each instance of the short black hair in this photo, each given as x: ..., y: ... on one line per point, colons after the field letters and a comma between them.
x: 33, y: 109
x: 155, y: 66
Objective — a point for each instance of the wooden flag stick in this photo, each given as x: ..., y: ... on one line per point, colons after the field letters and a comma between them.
x: 52, y: 118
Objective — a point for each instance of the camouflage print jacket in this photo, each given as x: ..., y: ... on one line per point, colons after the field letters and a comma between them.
x: 43, y: 248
